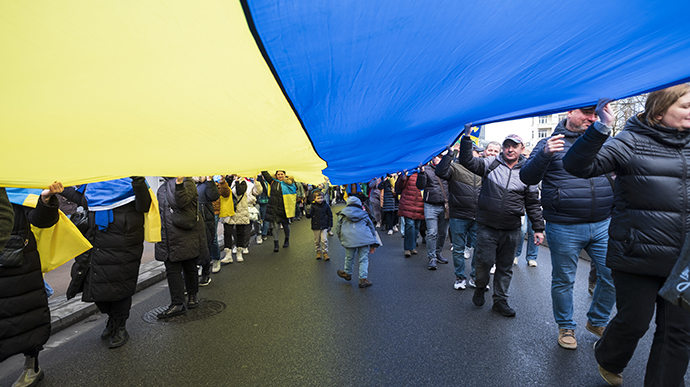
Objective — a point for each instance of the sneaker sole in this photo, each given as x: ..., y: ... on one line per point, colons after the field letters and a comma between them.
x: 567, y: 346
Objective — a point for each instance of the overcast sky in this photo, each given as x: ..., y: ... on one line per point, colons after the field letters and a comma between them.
x: 498, y: 131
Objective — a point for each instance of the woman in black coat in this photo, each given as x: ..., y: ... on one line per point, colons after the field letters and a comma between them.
x: 25, y: 320
x: 275, y: 212
x: 651, y: 159
x: 183, y: 242
x: 108, y: 273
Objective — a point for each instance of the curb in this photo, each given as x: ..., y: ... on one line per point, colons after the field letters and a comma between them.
x: 64, y: 312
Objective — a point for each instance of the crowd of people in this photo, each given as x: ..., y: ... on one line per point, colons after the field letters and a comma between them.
x: 624, y: 200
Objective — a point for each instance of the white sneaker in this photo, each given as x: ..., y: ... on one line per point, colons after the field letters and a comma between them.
x: 234, y: 249
x: 474, y: 285
x: 460, y: 284
x: 395, y: 228
x: 390, y: 232
x: 259, y: 239
x: 228, y: 256
x: 493, y: 269
x: 239, y: 256
x: 245, y: 250
x: 215, y: 268
x: 532, y: 263
x: 515, y: 261
x: 468, y: 252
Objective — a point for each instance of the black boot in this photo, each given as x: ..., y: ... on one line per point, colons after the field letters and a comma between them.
x: 275, y: 246
x: 109, y: 329
x: 120, y: 336
x: 173, y: 310
x: 287, y: 243
x: 192, y: 301
x: 31, y: 375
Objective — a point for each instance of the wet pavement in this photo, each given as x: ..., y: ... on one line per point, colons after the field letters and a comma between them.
x: 286, y: 319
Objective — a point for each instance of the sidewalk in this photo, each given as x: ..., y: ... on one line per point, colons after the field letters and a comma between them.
x: 64, y: 312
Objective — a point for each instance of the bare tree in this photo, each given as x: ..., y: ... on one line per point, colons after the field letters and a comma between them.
x: 626, y: 108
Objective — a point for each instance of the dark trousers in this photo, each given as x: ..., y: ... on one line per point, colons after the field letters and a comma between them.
x: 495, y: 246
x: 389, y: 220
x: 177, y: 284
x: 236, y: 235
x: 117, y: 310
x: 636, y: 299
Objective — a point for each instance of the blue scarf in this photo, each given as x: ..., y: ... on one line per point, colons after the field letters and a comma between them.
x: 102, y: 197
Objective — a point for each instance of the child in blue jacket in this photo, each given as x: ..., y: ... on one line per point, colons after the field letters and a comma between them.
x: 321, y: 221
x: 356, y: 232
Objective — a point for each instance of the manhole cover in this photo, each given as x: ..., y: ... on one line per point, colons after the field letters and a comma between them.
x: 206, y: 308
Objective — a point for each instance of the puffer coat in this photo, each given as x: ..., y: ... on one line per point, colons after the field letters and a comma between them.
x: 388, y: 202
x: 246, y: 192
x: 179, y: 244
x: 24, y: 313
x: 504, y: 198
x: 566, y: 198
x: 354, y: 227
x: 463, y: 186
x: 651, y: 214
x: 275, y: 211
x: 110, y: 270
x: 411, y: 203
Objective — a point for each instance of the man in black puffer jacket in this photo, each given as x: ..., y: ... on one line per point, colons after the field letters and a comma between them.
x: 502, y: 202
x: 464, y: 187
x: 577, y: 213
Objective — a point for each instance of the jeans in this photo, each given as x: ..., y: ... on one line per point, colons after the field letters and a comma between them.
x: 437, y: 229
x: 565, y: 243
x: 532, y: 249
x: 636, y: 299
x: 495, y: 246
x: 176, y: 284
x: 460, y: 230
x: 321, y: 240
x: 362, y: 254
x: 411, y: 230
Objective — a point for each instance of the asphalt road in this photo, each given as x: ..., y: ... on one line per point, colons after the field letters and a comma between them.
x: 286, y: 319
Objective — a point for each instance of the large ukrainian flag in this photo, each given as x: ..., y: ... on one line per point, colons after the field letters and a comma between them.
x: 93, y: 90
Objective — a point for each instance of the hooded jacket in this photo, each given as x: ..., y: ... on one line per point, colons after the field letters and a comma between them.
x: 566, y: 198
x: 178, y: 244
x: 651, y: 212
x: 504, y: 198
x: 463, y: 186
x: 354, y: 227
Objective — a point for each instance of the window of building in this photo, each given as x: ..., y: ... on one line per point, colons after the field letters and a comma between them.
x: 562, y: 117
x: 543, y: 133
x: 543, y: 119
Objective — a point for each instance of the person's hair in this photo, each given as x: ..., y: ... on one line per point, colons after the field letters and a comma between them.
x: 659, y: 101
x: 280, y: 170
x: 318, y: 193
x: 493, y: 143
